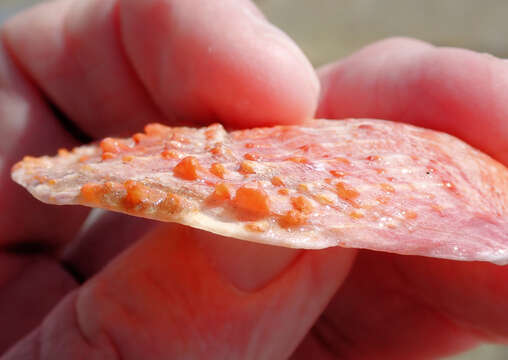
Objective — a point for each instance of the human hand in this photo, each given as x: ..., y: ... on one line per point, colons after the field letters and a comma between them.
x: 178, y: 292
x: 112, y: 66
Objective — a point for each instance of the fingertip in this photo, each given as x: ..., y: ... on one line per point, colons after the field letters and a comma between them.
x: 237, y: 69
x: 279, y: 79
x: 233, y: 259
x: 274, y: 85
x: 356, y: 85
x: 457, y: 91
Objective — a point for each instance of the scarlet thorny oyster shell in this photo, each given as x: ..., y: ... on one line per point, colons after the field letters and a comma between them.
x: 354, y: 183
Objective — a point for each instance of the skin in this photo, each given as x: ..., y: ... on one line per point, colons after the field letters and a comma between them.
x: 160, y: 291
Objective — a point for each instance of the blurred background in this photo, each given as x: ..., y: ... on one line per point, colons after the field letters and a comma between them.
x: 330, y: 29
x: 327, y: 30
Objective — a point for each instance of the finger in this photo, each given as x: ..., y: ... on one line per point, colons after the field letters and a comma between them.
x: 181, y: 295
x: 28, y: 127
x: 198, y: 61
x: 28, y: 226
x: 72, y: 50
x: 104, y: 236
x: 236, y: 68
x: 29, y: 288
x: 457, y: 91
x: 399, y: 307
x: 451, y: 305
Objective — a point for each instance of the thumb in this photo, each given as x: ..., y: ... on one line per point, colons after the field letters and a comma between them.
x: 179, y: 293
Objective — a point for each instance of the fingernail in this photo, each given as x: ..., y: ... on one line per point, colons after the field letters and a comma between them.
x: 248, y: 266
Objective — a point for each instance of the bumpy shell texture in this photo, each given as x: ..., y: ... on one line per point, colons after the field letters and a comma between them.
x: 354, y: 183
